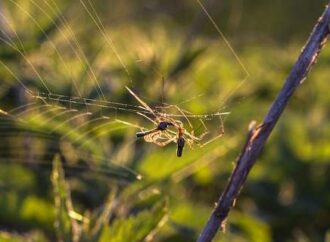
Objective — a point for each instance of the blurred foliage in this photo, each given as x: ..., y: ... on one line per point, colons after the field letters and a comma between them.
x: 70, y: 171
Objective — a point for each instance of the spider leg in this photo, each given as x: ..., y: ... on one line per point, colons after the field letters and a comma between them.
x: 141, y: 102
x: 211, y: 140
x: 130, y: 124
x: 152, y: 136
x: 182, y: 113
x: 206, y: 131
x: 160, y: 138
x: 164, y: 143
x: 191, y: 134
x: 151, y: 120
x: 221, y: 133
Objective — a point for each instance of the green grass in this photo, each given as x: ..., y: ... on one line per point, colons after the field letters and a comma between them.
x: 68, y: 173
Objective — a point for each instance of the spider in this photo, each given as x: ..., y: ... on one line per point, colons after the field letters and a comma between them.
x: 162, y: 126
x: 163, y: 133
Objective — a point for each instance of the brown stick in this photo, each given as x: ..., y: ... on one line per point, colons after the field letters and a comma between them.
x: 258, y: 136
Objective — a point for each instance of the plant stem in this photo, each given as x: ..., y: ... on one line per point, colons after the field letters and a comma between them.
x: 257, y: 137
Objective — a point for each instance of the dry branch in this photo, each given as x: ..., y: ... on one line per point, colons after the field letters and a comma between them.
x: 257, y: 136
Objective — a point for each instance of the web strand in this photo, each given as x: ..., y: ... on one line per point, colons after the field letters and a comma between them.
x: 216, y: 27
x: 141, y: 109
x: 101, y: 28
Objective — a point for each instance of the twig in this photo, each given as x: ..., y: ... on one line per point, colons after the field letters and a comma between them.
x: 258, y: 136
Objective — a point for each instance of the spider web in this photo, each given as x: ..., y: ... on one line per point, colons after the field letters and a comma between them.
x: 68, y: 93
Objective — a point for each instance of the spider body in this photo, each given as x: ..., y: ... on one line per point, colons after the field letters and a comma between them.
x: 153, y: 135
x: 180, y: 142
x: 160, y: 127
x: 163, y: 125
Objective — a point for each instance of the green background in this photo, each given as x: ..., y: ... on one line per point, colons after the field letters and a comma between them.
x: 67, y: 173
